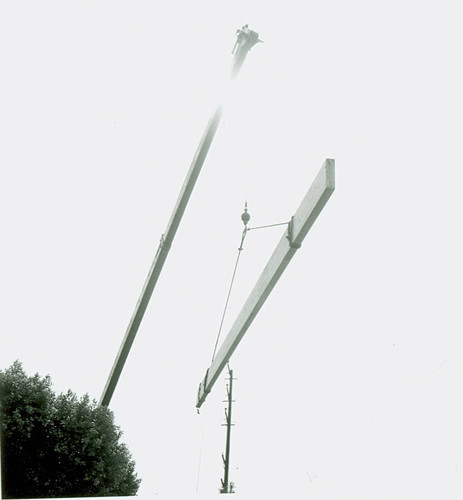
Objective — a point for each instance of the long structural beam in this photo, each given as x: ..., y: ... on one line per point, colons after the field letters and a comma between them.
x: 246, y: 39
x: 308, y: 211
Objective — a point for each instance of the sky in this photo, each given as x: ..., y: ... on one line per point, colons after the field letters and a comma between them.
x: 349, y: 381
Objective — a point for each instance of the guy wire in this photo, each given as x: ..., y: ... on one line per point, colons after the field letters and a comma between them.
x: 245, y: 230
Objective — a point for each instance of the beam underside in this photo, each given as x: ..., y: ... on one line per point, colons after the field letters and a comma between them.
x: 308, y: 211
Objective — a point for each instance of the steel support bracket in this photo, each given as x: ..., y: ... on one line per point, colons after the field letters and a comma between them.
x: 290, y: 234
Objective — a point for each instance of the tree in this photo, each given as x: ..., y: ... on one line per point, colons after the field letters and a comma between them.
x: 59, y: 446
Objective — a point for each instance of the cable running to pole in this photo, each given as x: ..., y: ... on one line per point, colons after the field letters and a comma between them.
x: 245, y: 217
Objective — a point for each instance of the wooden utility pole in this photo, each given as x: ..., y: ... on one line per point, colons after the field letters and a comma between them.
x: 246, y: 39
x: 300, y: 224
x: 227, y: 487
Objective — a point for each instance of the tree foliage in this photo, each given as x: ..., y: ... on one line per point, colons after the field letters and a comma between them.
x: 59, y: 446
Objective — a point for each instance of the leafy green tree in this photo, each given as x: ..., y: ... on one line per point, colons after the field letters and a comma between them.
x: 59, y: 446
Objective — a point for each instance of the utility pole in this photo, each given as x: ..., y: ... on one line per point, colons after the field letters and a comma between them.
x: 227, y: 486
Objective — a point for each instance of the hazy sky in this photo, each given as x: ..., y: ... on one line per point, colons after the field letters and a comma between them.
x: 350, y: 380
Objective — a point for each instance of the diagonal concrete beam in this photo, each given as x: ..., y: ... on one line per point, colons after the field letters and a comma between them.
x: 167, y: 238
x: 308, y: 211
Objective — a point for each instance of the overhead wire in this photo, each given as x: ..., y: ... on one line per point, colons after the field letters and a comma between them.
x: 245, y: 217
x: 268, y: 225
x: 240, y: 249
x: 199, y: 460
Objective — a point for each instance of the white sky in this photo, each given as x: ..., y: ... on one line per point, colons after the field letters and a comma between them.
x: 350, y: 380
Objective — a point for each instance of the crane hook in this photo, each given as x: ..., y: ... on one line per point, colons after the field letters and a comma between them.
x: 245, y: 216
